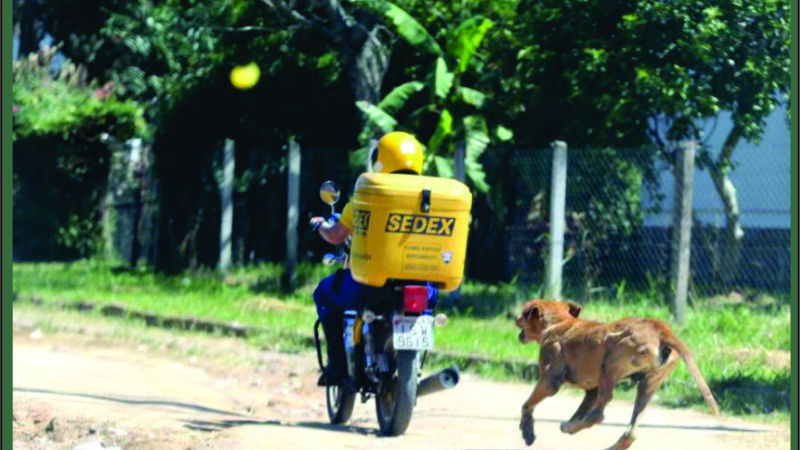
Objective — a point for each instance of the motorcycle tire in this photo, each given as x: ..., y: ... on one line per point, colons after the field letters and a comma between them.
x: 395, y: 404
x: 340, y: 401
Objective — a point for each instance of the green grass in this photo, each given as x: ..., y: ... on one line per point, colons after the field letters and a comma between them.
x: 201, y: 295
x: 742, y: 347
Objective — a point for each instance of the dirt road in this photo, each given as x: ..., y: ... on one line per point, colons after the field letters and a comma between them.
x: 92, y: 387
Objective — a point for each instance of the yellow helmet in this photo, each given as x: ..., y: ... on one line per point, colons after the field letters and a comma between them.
x: 398, y: 151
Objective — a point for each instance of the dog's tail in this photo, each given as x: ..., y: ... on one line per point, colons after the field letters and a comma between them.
x: 671, y: 340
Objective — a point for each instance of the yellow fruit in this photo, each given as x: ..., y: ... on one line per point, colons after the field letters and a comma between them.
x: 245, y: 77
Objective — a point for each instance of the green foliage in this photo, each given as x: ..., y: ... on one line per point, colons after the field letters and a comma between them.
x: 467, y: 38
x: 174, y: 58
x: 395, y: 99
x: 62, y: 103
x: 410, y: 29
x: 473, y: 74
x: 680, y: 62
x: 83, y: 235
x: 166, y: 48
x: 476, y: 139
x: 377, y: 117
x: 60, y: 124
x: 603, y: 205
x: 455, y: 108
x: 154, y: 52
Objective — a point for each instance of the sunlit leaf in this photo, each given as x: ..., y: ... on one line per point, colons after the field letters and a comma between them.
x: 397, y: 98
x: 411, y: 30
x: 443, y: 78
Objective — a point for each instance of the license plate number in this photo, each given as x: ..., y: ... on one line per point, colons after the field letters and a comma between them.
x: 412, y: 333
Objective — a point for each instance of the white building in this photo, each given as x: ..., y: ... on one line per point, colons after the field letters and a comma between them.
x: 762, y: 177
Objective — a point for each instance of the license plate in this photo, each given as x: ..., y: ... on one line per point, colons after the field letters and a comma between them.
x: 412, y: 333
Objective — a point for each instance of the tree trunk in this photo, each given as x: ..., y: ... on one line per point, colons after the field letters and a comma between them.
x: 357, y: 36
x: 369, y: 66
x: 727, y: 193
x: 28, y: 27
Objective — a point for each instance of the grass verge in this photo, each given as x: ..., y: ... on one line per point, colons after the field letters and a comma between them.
x: 742, y: 349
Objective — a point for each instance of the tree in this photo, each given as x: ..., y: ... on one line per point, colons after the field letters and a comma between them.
x: 455, y: 108
x: 61, y: 162
x: 28, y: 28
x: 636, y: 72
x: 173, y: 58
x: 359, y: 36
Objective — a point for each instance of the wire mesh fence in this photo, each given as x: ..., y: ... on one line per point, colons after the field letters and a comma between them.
x: 619, y: 218
x: 618, y: 230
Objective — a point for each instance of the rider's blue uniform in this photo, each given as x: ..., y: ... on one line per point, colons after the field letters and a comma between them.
x: 339, y: 292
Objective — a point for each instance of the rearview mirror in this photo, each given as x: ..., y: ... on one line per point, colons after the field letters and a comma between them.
x: 329, y: 193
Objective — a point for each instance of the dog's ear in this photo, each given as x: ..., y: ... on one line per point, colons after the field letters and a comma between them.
x: 531, y: 312
x: 574, y: 310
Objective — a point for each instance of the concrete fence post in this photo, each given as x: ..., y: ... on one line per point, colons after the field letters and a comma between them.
x: 226, y: 202
x: 293, y: 215
x: 558, y: 196
x: 682, y: 228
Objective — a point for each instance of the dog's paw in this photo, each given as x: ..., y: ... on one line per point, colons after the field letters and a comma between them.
x: 595, y: 418
x: 573, y: 427
x: 623, y: 443
x: 526, y: 425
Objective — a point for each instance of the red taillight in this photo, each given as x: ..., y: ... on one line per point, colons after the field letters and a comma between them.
x: 415, y: 299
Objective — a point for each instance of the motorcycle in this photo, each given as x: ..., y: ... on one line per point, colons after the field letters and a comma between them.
x: 386, y: 341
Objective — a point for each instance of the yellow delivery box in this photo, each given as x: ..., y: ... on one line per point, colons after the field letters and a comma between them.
x: 409, y: 227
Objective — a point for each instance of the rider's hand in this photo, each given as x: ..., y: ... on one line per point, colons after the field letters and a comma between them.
x: 315, y: 222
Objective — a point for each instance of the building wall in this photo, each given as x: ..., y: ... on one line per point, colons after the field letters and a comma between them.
x: 762, y: 177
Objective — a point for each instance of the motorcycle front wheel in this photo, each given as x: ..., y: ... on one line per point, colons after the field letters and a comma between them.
x: 395, y: 402
x: 340, y: 403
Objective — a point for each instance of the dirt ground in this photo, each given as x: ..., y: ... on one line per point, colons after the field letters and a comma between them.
x: 89, y: 384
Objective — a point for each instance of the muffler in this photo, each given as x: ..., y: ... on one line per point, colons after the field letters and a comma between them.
x: 439, y: 381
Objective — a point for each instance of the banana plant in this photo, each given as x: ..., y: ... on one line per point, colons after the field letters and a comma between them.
x: 456, y: 108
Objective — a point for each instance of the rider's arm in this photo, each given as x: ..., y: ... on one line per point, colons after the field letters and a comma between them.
x: 336, y: 232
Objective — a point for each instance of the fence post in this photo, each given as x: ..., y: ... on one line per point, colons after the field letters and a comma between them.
x: 682, y: 228
x: 293, y: 215
x: 459, y: 163
x: 116, y: 170
x: 460, y: 174
x: 558, y: 197
x: 226, y: 200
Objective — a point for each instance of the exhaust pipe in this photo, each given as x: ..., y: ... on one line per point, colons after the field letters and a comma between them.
x: 439, y: 381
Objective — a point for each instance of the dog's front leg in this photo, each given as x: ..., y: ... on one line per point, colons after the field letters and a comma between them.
x: 551, y: 378
x: 543, y: 389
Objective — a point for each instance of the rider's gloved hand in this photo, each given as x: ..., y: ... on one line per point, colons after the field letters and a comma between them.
x: 315, y: 222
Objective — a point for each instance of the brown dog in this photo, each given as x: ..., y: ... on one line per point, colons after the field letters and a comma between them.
x: 595, y: 357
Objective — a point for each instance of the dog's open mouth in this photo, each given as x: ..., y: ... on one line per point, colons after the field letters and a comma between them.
x: 522, y: 337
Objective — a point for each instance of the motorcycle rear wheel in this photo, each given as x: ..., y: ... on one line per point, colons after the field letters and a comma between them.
x: 395, y: 404
x: 340, y: 403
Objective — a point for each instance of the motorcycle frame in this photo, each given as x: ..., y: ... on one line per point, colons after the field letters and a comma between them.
x: 386, y: 300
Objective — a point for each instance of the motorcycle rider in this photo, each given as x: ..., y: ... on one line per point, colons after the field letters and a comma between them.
x: 396, y: 152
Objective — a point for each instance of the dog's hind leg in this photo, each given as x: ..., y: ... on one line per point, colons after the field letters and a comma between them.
x: 574, y: 425
x: 614, y: 370
x: 647, y: 387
